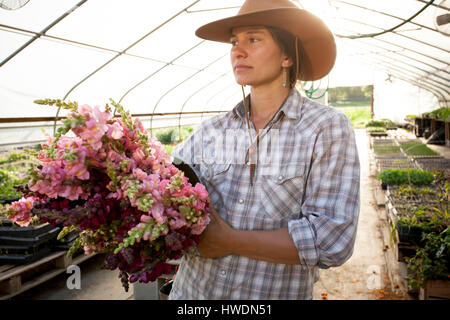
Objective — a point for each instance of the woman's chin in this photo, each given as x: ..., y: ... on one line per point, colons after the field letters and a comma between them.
x: 243, y: 82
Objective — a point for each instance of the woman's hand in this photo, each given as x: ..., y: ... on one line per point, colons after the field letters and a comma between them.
x: 215, y: 241
x: 220, y: 240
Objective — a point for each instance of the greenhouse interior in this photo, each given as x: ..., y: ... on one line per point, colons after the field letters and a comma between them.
x: 79, y: 78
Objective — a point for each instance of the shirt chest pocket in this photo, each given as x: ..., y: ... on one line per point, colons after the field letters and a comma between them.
x: 214, y: 172
x: 215, y: 177
x: 282, y: 192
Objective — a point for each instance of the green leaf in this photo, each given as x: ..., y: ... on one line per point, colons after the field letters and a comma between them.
x: 64, y: 232
x: 75, y: 247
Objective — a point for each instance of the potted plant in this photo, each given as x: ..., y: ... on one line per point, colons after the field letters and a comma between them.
x: 432, y: 262
x: 412, y: 225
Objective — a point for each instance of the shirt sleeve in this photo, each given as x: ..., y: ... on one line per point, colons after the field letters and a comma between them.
x: 325, y: 233
x: 189, y: 151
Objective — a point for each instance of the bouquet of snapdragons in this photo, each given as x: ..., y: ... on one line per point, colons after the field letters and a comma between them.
x: 106, y: 177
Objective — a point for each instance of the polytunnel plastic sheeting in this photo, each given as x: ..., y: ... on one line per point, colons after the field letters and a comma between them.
x: 146, y: 55
x: 413, y: 49
x: 412, y: 63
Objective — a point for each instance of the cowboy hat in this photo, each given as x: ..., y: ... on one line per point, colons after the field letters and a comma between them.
x: 318, y: 47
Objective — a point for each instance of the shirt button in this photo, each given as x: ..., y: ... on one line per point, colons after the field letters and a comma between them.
x: 241, y: 200
x: 223, y: 272
x: 248, y: 163
x: 280, y: 178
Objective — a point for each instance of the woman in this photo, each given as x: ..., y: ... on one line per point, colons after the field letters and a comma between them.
x: 278, y: 216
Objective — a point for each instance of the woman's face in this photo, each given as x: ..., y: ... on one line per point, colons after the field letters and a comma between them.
x: 256, y: 58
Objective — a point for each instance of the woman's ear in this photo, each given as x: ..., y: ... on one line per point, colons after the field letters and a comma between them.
x: 287, y: 62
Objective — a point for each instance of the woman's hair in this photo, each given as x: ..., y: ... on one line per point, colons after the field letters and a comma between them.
x: 286, y: 42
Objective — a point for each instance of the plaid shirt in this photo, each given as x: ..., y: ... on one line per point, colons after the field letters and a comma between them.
x: 306, y: 179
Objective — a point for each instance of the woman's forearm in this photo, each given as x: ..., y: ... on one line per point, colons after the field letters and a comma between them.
x: 274, y: 246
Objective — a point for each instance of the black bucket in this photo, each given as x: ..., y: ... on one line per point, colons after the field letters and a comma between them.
x: 164, y: 291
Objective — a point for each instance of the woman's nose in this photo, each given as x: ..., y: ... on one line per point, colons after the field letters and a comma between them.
x: 238, y: 51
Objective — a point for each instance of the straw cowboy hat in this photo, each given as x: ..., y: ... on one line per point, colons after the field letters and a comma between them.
x: 318, y: 52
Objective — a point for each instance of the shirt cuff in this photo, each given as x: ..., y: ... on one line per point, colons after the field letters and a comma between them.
x: 304, y: 237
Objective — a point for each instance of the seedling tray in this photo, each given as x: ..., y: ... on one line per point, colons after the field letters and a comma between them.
x: 25, y: 232
x: 8, y: 201
x: 7, y: 250
x: 24, y: 258
x: 409, y: 234
x: 30, y: 241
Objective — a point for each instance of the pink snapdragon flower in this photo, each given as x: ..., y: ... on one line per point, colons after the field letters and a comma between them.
x: 158, y: 213
x: 22, y: 209
x: 115, y: 131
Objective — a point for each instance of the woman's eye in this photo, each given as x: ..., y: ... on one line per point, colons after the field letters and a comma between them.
x: 254, y: 39
x: 233, y: 42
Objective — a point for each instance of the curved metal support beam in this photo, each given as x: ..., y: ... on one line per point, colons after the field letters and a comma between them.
x: 153, y: 73
x: 419, y: 75
x: 404, y: 21
x: 404, y: 55
x: 400, y: 75
x: 208, y: 10
x: 390, y: 69
x: 82, y: 44
x: 217, y: 93
x: 224, y: 103
x: 123, y: 51
x: 38, y: 35
x: 192, y: 95
x: 413, y: 74
x: 422, y: 70
x: 422, y: 62
x: 402, y: 35
x: 130, y: 46
x: 176, y: 86
x: 411, y: 81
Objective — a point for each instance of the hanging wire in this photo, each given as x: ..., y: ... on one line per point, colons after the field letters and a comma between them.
x: 371, y: 35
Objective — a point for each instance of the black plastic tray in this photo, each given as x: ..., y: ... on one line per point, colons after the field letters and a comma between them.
x: 5, y: 223
x: 62, y: 246
x: 9, y: 201
x: 407, y: 234
x: 30, y: 241
x: 7, y: 250
x: 25, y: 258
x: 25, y: 232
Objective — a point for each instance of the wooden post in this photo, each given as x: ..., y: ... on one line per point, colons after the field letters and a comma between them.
x: 11, y: 285
x: 435, y: 289
x: 63, y: 262
x: 371, y: 102
x: 447, y: 133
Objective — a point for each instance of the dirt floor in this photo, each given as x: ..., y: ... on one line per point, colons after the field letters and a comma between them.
x: 365, y: 276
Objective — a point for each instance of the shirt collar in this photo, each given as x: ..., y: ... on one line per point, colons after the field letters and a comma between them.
x: 292, y: 107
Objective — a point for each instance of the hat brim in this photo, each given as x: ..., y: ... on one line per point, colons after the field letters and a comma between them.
x: 317, y: 41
